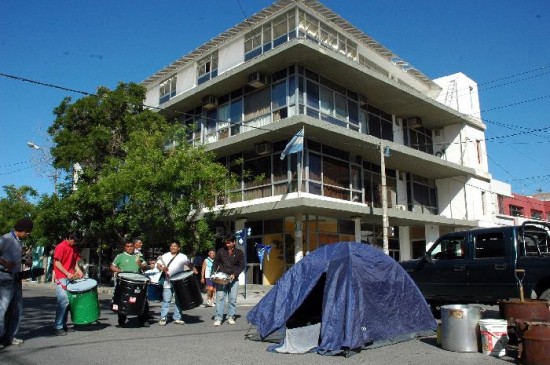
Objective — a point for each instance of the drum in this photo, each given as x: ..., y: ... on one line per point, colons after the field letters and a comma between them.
x: 220, y: 278
x: 154, y: 292
x: 130, y: 294
x: 187, y: 290
x: 83, y: 301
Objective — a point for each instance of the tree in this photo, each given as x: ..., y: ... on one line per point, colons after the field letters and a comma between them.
x: 16, y: 205
x: 131, y: 184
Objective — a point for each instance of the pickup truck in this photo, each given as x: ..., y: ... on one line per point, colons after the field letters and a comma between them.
x: 479, y: 265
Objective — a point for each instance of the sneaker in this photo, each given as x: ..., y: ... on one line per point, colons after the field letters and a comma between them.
x: 59, y: 332
x: 162, y: 322
x: 179, y: 321
x: 16, y: 341
x: 68, y: 329
x: 231, y: 320
x: 217, y: 323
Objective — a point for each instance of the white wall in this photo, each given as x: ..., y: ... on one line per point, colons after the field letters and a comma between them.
x: 187, y: 79
x: 450, y: 198
x: 460, y: 93
x: 432, y: 234
x: 231, y: 55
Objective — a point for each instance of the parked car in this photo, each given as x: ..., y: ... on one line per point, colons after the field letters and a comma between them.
x: 480, y: 265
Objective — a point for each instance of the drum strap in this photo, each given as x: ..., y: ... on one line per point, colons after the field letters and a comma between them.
x: 57, y: 282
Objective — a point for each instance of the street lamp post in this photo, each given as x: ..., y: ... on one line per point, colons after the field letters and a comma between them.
x: 46, y: 159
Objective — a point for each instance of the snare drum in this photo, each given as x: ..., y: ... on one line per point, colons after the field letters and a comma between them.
x: 130, y: 294
x: 187, y: 290
x: 83, y: 301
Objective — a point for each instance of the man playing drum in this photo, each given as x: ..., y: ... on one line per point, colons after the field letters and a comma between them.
x: 128, y: 261
x: 66, y: 268
x: 171, y: 263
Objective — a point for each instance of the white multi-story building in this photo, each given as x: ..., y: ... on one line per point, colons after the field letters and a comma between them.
x: 296, y: 64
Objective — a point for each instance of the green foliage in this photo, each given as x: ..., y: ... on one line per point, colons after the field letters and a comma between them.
x: 16, y: 205
x: 131, y: 184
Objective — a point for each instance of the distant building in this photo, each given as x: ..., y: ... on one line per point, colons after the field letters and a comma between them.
x: 297, y: 65
x: 520, y: 208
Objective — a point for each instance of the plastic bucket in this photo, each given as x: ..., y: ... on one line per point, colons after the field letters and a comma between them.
x: 460, y: 328
x: 494, y: 336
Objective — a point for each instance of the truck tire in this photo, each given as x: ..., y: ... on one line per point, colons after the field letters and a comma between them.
x: 545, y: 295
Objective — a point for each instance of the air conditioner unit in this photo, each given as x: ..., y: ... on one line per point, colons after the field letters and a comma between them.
x: 414, y: 123
x: 209, y: 102
x: 263, y: 148
x: 258, y: 79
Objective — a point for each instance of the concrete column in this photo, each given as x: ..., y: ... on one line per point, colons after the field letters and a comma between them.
x: 405, y: 249
x: 298, y: 238
x: 357, y: 221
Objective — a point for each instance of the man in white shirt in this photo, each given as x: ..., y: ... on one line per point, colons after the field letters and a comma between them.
x: 171, y: 263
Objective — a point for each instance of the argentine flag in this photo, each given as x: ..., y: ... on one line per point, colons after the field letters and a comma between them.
x: 296, y: 144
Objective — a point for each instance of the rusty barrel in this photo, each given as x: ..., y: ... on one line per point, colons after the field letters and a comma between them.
x: 529, y: 310
x: 534, y: 346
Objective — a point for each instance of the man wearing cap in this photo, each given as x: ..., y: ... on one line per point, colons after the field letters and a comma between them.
x: 66, y: 268
x: 11, y: 290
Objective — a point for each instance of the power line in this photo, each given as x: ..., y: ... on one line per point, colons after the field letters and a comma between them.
x: 14, y: 164
x: 13, y: 172
x: 19, y: 78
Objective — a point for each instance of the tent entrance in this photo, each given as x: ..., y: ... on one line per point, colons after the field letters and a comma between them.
x: 311, y: 310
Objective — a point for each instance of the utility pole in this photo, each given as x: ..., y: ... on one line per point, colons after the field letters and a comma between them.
x: 384, y: 152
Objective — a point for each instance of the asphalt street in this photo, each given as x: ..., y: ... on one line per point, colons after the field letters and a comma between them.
x: 196, y: 342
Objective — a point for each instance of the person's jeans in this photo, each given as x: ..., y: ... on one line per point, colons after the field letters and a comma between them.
x: 165, y: 307
x: 62, y: 310
x: 222, y: 291
x: 11, y: 308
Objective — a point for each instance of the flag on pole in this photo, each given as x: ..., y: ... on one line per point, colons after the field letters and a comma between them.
x: 295, y: 145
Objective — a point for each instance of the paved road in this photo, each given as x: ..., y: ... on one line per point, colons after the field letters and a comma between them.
x: 196, y: 342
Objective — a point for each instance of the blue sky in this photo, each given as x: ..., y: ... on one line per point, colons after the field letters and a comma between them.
x: 80, y: 45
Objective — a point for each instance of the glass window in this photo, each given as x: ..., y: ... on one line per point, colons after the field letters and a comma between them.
x: 335, y: 172
x: 326, y: 101
x: 451, y: 248
x: 516, y: 211
x: 257, y: 104
x: 167, y: 89
x: 312, y: 90
x: 207, y: 67
x: 314, y: 167
x: 257, y: 171
x: 489, y: 245
x: 278, y: 95
x: 536, y: 214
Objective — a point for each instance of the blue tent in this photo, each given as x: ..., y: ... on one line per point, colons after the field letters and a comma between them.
x: 358, y: 294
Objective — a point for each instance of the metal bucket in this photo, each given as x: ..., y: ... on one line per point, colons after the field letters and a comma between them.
x: 460, y: 327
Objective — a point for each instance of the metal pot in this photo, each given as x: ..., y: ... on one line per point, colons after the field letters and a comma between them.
x: 460, y: 327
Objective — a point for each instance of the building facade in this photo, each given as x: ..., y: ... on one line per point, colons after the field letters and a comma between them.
x: 520, y: 208
x: 384, y: 145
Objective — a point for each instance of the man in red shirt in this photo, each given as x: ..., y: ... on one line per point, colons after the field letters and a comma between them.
x: 66, y: 258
